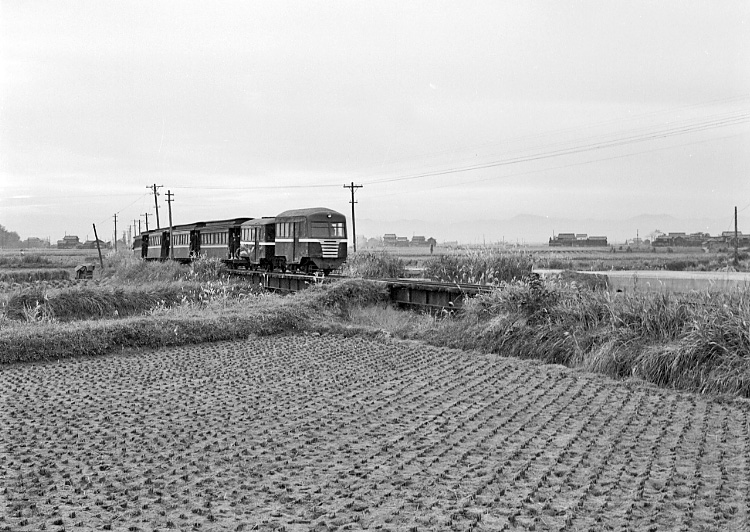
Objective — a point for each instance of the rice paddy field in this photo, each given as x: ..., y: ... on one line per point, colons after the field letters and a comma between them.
x: 322, y: 432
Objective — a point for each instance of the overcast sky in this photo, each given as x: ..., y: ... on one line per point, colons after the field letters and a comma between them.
x: 441, y: 110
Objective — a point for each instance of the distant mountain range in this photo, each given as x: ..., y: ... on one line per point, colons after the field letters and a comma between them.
x: 532, y: 229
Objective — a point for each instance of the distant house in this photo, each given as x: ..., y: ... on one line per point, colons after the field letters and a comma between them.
x: 68, y: 242
x: 418, y: 241
x: 402, y: 241
x: 91, y: 244
x: 389, y: 240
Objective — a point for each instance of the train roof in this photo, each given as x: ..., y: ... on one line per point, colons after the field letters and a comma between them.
x: 212, y: 224
x: 187, y: 227
x: 300, y: 213
x: 260, y: 221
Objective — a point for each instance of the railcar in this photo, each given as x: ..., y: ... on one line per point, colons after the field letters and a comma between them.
x: 186, y: 241
x: 157, y: 244
x: 257, y: 245
x: 220, y: 239
x: 310, y: 240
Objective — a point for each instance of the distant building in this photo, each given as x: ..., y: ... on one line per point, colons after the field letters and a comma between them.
x: 389, y: 240
x: 418, y: 241
x: 402, y: 242
x: 68, y: 242
x: 577, y: 240
x: 681, y: 239
x: 91, y: 244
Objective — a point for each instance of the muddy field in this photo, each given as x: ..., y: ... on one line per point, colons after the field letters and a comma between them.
x: 326, y: 433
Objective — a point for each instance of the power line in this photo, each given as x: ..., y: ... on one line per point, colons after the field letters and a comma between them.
x: 572, y: 150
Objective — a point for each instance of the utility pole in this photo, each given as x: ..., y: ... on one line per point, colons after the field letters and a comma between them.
x: 736, y: 241
x: 169, y: 202
x: 115, y: 232
x: 99, y: 249
x: 156, y: 203
x: 146, y: 215
x: 353, y: 187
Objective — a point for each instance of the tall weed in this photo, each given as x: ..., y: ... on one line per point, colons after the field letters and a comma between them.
x: 479, y: 266
x: 375, y: 265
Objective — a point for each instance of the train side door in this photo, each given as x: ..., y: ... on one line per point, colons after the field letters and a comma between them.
x: 233, y: 241
x: 256, y: 246
x: 296, y: 252
x: 165, y: 245
x: 195, y: 243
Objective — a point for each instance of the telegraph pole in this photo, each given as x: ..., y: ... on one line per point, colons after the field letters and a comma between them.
x: 171, y: 243
x: 115, y: 232
x: 353, y: 187
x: 736, y: 241
x: 156, y: 203
x: 146, y: 215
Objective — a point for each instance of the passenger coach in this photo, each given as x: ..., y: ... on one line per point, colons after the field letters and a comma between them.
x: 257, y: 244
x: 221, y: 239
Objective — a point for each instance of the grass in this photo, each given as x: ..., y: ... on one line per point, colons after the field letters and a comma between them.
x: 27, y: 260
x: 479, y: 266
x: 33, y: 275
x: 375, y: 265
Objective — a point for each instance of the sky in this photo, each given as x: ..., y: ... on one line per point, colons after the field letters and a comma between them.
x: 443, y: 111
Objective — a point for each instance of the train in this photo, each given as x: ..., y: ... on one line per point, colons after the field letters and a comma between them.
x: 307, y: 240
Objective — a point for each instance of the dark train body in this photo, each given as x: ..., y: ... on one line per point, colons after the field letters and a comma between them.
x: 306, y: 240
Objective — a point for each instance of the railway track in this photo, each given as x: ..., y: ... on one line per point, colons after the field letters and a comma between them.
x: 416, y: 293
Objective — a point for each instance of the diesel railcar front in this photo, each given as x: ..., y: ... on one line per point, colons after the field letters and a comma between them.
x: 311, y: 240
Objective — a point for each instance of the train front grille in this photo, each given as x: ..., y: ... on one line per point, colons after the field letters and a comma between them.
x: 330, y: 249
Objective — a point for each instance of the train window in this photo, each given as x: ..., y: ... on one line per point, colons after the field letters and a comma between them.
x: 284, y: 230
x: 319, y: 230
x: 327, y: 229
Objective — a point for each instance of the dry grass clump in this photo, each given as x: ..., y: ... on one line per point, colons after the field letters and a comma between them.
x: 26, y: 342
x: 482, y: 266
x: 342, y: 296
x: 375, y: 265
x: 34, y: 304
x: 30, y: 275
x: 83, y: 303
x: 29, y: 260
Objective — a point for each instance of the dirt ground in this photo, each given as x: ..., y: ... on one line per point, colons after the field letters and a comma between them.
x: 327, y: 433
